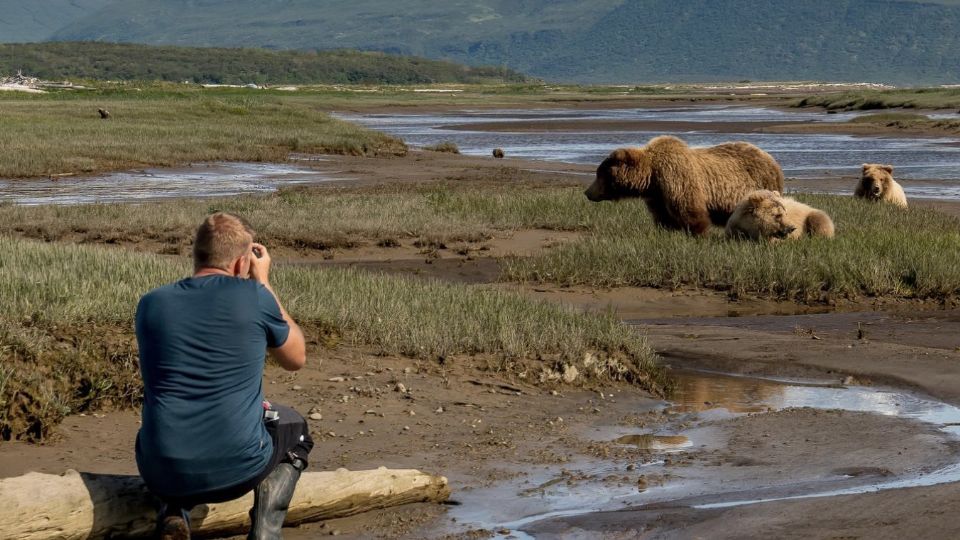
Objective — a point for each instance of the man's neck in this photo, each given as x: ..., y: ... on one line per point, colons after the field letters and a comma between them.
x: 210, y: 271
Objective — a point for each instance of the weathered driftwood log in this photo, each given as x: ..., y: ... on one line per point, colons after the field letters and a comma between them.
x: 80, y: 506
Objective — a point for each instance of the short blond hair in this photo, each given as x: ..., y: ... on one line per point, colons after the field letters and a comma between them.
x: 220, y: 239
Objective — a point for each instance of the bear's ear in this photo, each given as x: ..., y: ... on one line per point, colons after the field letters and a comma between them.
x: 888, y: 168
x: 866, y: 166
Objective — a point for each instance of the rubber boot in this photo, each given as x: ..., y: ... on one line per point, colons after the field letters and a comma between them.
x: 271, y: 500
x: 173, y: 524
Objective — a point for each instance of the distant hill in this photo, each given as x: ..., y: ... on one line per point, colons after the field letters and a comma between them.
x: 28, y: 20
x: 70, y: 60
x: 628, y: 41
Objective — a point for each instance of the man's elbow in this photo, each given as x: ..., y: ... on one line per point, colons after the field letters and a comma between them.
x: 295, y: 361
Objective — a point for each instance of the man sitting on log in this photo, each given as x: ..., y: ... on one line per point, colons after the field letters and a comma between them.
x: 207, y: 434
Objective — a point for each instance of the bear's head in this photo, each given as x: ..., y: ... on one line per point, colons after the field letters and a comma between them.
x: 765, y: 213
x: 875, y: 180
x: 625, y: 173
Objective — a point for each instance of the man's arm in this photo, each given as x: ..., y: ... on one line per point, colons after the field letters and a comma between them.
x: 292, y: 355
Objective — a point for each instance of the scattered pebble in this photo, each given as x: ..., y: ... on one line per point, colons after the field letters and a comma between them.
x: 336, y: 379
x: 296, y: 387
x: 316, y: 416
x: 400, y: 388
x: 331, y: 434
x: 406, y: 428
x: 439, y: 410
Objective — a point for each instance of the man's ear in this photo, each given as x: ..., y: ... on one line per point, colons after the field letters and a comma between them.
x: 237, y: 268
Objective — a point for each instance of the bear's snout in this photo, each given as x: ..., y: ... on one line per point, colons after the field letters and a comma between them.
x: 785, y: 231
x: 594, y: 193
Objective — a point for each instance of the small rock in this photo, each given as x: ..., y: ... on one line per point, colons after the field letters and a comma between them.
x: 335, y: 532
x: 848, y: 380
x: 632, y: 467
x: 400, y: 388
x: 412, y: 413
x: 406, y: 428
x: 336, y: 379
x: 331, y: 434
x: 408, y: 370
x: 439, y: 410
x: 316, y: 416
x: 642, y: 483
x: 370, y: 411
x: 554, y: 393
x: 296, y: 387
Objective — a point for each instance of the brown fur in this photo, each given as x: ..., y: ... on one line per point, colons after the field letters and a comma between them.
x: 498, y: 153
x: 877, y: 184
x: 767, y: 215
x: 686, y: 188
x: 104, y: 114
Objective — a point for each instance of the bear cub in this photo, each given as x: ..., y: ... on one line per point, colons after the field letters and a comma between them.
x: 768, y: 215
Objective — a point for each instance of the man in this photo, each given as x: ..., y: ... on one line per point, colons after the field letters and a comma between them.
x: 207, y: 435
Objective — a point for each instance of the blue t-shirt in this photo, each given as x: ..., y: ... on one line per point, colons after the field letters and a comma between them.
x: 202, y: 349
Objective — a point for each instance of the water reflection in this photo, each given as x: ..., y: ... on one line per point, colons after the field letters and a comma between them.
x: 655, y: 442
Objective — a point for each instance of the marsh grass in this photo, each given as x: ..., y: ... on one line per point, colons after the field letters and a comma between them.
x: 907, y: 98
x: 879, y: 251
x: 907, y: 120
x: 324, y: 218
x: 60, y: 136
x: 67, y: 346
x: 445, y: 146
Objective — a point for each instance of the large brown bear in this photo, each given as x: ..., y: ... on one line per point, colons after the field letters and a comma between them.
x: 767, y: 215
x: 877, y: 184
x: 686, y: 188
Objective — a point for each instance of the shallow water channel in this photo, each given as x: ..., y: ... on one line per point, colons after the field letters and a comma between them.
x: 801, y: 155
x: 586, y: 486
x: 199, y: 180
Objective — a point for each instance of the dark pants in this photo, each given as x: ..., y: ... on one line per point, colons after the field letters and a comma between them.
x: 291, y: 441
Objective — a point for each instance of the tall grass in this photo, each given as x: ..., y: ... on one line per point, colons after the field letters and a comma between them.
x: 879, y: 251
x: 48, y: 137
x: 66, y: 344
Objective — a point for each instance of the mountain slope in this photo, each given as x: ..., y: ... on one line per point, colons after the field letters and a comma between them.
x: 22, y: 21
x: 897, y: 42
x: 629, y: 41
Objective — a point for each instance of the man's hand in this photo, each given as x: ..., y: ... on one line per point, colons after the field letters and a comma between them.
x: 260, y: 263
x: 292, y: 355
